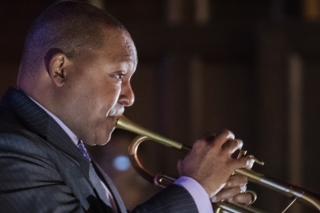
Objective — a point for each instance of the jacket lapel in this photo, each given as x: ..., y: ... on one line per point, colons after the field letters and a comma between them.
x: 60, y: 140
x: 111, y: 186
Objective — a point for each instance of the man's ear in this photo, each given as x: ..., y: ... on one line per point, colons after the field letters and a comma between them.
x: 56, y: 64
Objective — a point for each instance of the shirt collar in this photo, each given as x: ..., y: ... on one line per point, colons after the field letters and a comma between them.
x: 73, y: 137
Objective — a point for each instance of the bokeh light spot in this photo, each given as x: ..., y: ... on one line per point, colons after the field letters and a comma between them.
x: 121, y: 163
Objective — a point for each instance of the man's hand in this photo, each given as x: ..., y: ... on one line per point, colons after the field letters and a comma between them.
x: 210, y: 162
x: 234, y: 190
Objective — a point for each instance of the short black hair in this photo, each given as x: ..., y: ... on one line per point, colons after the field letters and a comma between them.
x: 73, y: 27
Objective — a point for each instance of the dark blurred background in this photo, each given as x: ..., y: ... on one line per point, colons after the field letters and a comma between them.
x: 251, y: 66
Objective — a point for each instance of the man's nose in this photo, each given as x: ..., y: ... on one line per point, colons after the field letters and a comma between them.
x: 127, y: 95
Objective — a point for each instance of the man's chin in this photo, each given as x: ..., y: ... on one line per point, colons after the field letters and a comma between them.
x: 103, y: 143
x: 106, y: 139
x: 100, y: 141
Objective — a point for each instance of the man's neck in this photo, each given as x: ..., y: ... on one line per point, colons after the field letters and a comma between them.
x: 73, y: 137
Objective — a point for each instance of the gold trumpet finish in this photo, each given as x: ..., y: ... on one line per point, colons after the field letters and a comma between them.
x: 160, y: 180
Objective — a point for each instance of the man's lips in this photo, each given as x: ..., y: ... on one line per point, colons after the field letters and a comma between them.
x: 113, y: 120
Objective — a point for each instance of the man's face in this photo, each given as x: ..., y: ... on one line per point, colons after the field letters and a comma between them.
x: 100, y: 89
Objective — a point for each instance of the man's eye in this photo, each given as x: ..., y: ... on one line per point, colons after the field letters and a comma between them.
x: 119, y: 76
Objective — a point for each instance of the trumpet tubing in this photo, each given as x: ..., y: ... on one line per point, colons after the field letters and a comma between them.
x: 161, y: 180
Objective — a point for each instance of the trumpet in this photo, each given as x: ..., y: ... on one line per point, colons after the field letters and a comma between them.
x: 296, y: 194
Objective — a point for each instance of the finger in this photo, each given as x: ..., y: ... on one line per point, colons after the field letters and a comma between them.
x: 236, y: 180
x: 250, y: 162
x: 227, y: 193
x: 237, y: 154
x: 233, y: 145
x: 245, y: 162
x: 223, y: 137
x: 243, y: 198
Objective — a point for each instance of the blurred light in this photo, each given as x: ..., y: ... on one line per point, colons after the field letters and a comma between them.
x: 121, y: 163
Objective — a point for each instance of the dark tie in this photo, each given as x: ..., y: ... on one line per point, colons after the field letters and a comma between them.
x: 83, y: 150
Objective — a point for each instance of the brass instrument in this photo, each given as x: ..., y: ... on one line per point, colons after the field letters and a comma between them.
x: 160, y: 180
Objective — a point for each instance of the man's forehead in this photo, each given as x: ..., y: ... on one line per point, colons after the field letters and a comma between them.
x: 121, y: 47
x: 124, y: 55
x: 127, y: 58
x: 130, y: 47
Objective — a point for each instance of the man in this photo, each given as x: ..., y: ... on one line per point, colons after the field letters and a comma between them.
x: 73, y: 82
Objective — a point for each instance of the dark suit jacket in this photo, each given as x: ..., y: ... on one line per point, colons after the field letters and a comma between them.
x: 41, y: 170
